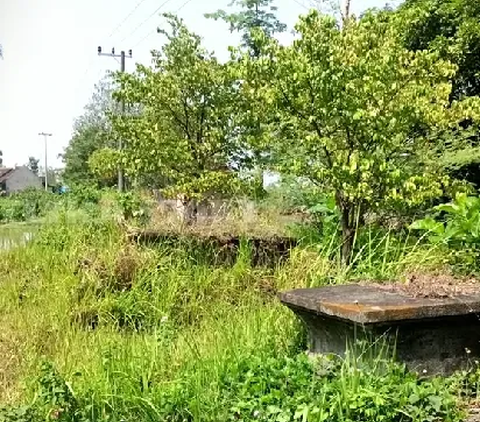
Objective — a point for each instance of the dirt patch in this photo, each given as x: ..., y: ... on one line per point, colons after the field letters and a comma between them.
x: 474, y: 414
x: 433, y: 286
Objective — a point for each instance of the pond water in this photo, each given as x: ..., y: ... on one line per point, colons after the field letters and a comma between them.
x: 11, y: 237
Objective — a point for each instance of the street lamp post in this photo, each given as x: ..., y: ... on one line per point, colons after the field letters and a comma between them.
x: 45, y: 137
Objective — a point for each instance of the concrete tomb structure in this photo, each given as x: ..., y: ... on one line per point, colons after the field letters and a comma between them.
x: 433, y: 336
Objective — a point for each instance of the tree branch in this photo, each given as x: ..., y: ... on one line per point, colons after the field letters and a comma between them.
x: 177, y: 118
x: 202, y: 120
x: 186, y: 110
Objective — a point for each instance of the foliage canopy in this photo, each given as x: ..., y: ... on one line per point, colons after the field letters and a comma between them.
x: 91, y: 133
x: 350, y: 109
x: 254, y: 15
x: 185, y: 128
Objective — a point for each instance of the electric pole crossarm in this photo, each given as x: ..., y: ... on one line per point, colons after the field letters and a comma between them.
x: 112, y: 54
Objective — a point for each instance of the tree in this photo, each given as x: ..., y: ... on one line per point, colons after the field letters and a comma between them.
x: 84, y: 143
x: 254, y: 14
x: 1, y: 158
x: 340, y: 9
x: 451, y: 28
x: 91, y: 133
x: 33, y: 164
x: 185, y: 130
x: 350, y: 107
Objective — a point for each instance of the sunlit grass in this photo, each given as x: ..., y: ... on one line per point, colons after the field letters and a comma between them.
x: 150, y: 333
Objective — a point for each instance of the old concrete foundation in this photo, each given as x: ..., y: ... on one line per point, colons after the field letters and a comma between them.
x: 431, y: 336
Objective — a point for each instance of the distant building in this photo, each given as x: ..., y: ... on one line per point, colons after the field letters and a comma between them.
x: 18, y: 179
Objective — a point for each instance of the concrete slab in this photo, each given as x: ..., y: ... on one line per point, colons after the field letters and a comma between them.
x: 434, y: 336
x: 372, y: 305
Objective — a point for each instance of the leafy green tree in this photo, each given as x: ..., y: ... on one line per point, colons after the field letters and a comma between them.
x: 33, y: 164
x: 349, y: 110
x: 91, y: 133
x: 84, y: 143
x: 1, y: 158
x: 451, y: 28
x: 185, y: 130
x: 253, y: 14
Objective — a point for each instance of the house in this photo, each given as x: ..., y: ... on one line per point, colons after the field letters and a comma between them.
x: 18, y: 179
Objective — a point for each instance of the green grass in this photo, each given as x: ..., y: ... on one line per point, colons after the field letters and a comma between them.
x: 93, y: 328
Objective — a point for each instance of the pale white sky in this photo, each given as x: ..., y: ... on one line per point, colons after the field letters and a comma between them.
x: 51, y: 64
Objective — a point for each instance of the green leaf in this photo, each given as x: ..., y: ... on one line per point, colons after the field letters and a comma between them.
x: 428, y: 224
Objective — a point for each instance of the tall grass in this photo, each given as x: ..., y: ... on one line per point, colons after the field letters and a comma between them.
x: 94, y: 328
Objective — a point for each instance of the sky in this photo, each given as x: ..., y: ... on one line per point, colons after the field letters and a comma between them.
x: 51, y: 64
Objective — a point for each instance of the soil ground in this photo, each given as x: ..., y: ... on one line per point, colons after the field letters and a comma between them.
x: 433, y: 286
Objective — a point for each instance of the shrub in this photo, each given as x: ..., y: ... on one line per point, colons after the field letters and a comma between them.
x: 331, y: 389
x: 83, y: 195
x: 18, y: 414
x: 25, y: 205
x: 455, y: 225
x: 133, y: 207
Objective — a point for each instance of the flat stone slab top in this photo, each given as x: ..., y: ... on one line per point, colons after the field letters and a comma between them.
x: 374, y: 305
x: 430, y: 335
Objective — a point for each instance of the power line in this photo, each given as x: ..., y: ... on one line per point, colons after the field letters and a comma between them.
x: 182, y: 6
x: 136, y: 28
x: 146, y: 20
x: 126, y: 18
x: 147, y: 35
x: 150, y: 33
x: 84, y: 76
x: 301, y: 4
x: 87, y: 70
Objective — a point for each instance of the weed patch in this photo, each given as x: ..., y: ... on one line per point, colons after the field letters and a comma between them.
x: 110, y: 330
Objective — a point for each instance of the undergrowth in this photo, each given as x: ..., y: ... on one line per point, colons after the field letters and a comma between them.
x: 94, y: 327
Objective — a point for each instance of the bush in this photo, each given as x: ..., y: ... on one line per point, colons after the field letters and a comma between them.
x: 26, y: 205
x: 456, y: 226
x: 84, y: 195
x: 133, y: 207
x: 18, y: 414
x: 140, y: 333
x: 331, y: 389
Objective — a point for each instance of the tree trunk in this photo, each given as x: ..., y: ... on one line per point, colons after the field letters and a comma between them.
x: 348, y: 236
x: 190, y: 211
x: 259, y: 189
x: 347, y: 224
x: 346, y: 10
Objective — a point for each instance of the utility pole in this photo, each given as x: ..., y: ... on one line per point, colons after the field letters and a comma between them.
x: 122, y: 55
x: 45, y: 137
x: 346, y: 11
